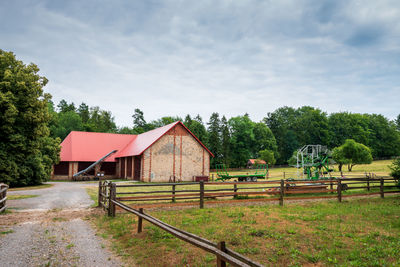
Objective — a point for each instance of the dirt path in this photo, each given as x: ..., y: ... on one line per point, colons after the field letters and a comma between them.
x: 54, y: 233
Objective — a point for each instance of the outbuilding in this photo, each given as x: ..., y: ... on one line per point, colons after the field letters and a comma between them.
x: 252, y: 163
x: 168, y: 153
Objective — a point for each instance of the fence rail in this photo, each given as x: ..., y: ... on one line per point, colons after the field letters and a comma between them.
x: 3, y: 197
x: 111, y: 195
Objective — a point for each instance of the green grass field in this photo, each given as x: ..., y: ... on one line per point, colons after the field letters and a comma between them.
x: 379, y: 167
x: 364, y: 232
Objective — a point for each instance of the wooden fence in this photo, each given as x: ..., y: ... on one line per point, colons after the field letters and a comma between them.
x: 113, y: 195
x: 3, y: 197
x: 109, y: 201
x: 203, y: 193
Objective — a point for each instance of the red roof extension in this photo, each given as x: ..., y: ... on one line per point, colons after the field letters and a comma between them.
x: 89, y: 146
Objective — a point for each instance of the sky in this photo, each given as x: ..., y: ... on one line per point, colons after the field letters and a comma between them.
x: 172, y: 58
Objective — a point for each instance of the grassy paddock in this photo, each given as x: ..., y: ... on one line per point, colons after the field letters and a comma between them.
x: 364, y: 232
x: 379, y: 167
x: 257, y: 187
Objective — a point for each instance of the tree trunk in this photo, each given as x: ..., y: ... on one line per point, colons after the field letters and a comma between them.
x: 340, y: 166
x: 350, y: 167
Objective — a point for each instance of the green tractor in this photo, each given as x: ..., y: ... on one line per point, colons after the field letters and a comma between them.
x: 261, y: 171
x: 315, y: 161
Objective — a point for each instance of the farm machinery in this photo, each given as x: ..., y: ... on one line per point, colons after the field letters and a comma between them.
x: 261, y: 171
x: 314, y: 160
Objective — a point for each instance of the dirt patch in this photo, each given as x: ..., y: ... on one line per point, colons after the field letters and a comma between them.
x: 14, y: 218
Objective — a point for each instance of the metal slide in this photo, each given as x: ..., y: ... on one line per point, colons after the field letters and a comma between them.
x: 94, y: 164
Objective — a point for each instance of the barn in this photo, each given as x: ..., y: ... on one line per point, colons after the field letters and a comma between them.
x: 167, y: 153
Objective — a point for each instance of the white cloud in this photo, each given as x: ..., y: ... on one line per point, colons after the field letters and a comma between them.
x: 232, y: 57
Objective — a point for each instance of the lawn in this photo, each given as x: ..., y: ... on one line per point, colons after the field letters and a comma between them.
x: 364, y: 232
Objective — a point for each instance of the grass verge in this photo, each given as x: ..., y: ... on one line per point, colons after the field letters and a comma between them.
x: 363, y: 232
x: 13, y: 197
x: 42, y: 186
x: 93, y: 193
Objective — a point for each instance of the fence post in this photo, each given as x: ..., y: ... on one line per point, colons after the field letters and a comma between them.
x: 111, y: 205
x: 173, y: 193
x: 284, y: 175
x: 381, y: 188
x: 331, y: 186
x: 282, y: 189
x: 140, y: 221
x: 368, y: 177
x: 339, y: 190
x: 99, y: 199
x: 235, y: 190
x: 201, y: 194
x: 221, y: 246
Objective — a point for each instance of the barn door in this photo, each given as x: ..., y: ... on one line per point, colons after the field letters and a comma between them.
x: 137, y: 168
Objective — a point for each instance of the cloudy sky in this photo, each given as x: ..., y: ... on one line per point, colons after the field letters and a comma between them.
x: 198, y: 57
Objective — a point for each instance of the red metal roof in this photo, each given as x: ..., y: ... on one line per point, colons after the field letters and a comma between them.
x: 145, y: 140
x: 89, y: 146
x: 260, y: 161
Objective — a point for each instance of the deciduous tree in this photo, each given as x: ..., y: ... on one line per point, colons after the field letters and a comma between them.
x: 27, y: 152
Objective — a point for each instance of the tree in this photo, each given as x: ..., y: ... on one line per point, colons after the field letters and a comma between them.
x: 397, y: 122
x: 225, y: 142
x: 83, y: 111
x: 268, y: 156
x: 197, y: 128
x: 395, y: 168
x: 248, y: 139
x: 353, y: 153
x: 384, y: 139
x: 27, y: 152
x: 294, y: 128
x: 339, y: 158
x: 67, y: 122
x: 63, y: 106
x: 101, y: 121
x: 164, y: 121
x: 214, y: 137
x: 345, y: 125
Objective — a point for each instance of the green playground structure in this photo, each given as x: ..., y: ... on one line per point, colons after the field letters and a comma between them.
x: 261, y: 171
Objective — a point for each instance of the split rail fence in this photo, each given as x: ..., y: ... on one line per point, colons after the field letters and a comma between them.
x: 3, y: 197
x: 140, y: 195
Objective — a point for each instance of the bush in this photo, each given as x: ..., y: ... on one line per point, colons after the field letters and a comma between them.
x: 395, y: 167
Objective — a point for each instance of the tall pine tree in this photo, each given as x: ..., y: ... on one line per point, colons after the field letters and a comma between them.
x: 214, y: 137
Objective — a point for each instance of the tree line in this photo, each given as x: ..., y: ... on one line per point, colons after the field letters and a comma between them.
x: 235, y: 140
x: 32, y: 127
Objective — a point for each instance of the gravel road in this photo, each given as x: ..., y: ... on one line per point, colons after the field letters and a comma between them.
x: 62, y: 195
x: 51, y: 230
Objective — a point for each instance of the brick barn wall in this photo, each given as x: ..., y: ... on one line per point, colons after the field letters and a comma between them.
x: 176, y: 153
